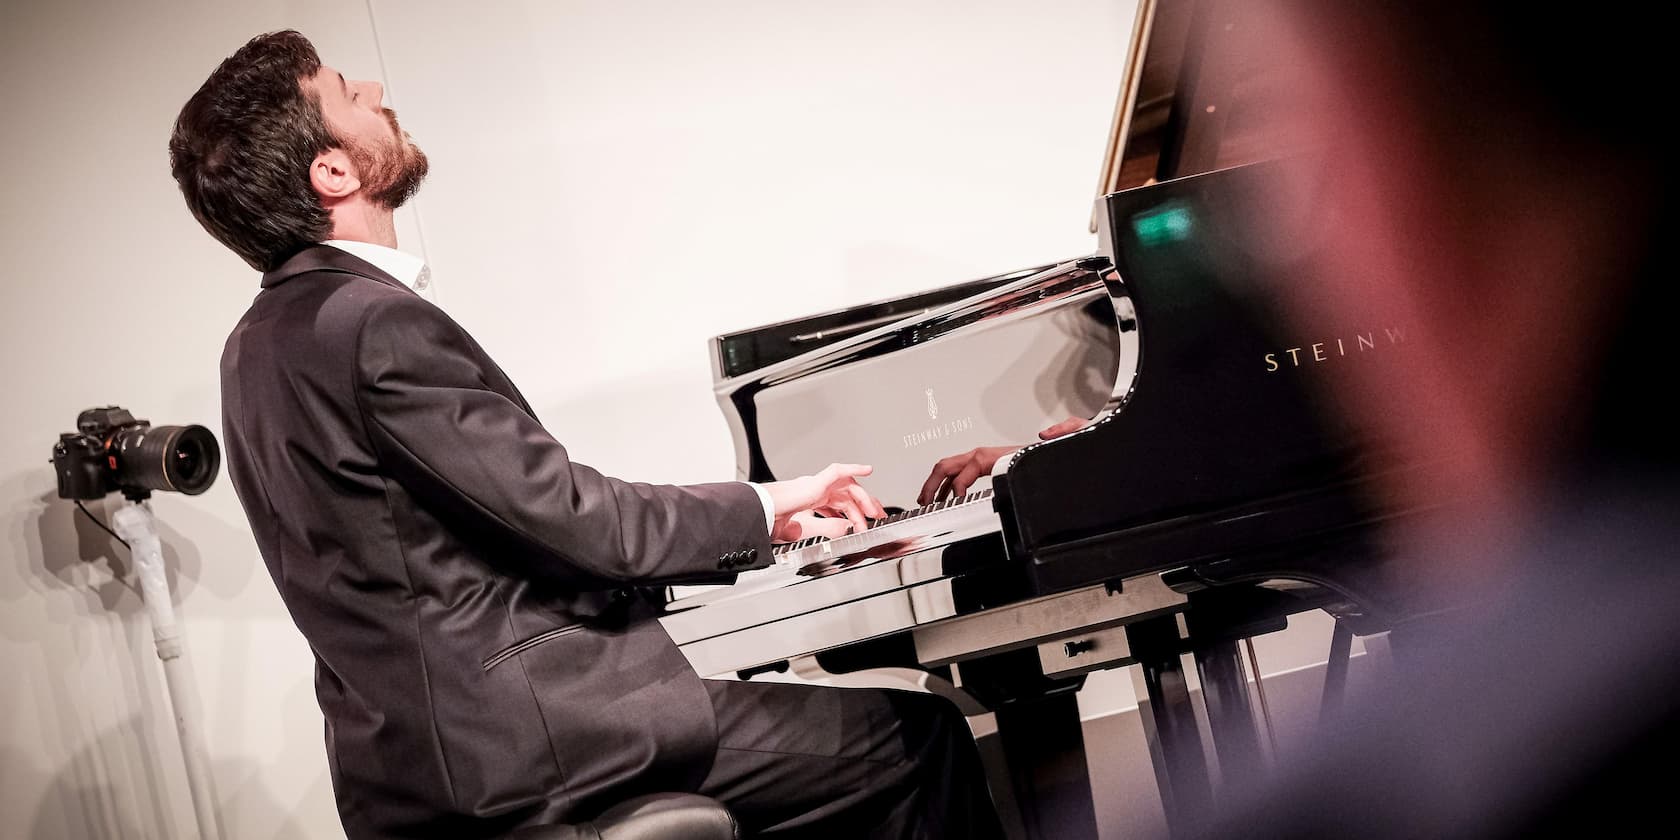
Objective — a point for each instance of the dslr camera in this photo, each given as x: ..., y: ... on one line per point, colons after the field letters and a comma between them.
x: 111, y: 451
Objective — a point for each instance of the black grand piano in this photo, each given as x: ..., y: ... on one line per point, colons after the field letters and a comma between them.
x: 1212, y: 492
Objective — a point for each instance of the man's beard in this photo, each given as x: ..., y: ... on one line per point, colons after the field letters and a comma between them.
x: 392, y: 172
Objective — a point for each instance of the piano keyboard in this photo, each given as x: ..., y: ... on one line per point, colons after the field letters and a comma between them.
x: 803, y: 562
x: 904, y: 525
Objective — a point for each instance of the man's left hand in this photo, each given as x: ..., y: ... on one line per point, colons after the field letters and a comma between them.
x: 829, y: 503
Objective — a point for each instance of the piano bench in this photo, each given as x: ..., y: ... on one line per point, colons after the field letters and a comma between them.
x: 656, y: 816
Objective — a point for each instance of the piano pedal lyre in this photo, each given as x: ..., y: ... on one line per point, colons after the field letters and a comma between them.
x: 808, y: 669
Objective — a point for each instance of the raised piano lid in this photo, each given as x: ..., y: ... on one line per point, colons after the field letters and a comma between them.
x: 985, y: 363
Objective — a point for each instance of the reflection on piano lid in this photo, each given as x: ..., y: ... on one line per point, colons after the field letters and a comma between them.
x: 1029, y: 350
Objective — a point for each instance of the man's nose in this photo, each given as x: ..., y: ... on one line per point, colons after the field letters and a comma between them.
x: 375, y: 94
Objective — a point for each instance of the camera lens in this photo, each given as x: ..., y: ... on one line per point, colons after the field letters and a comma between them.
x: 187, y: 458
x: 179, y: 458
x: 195, y: 459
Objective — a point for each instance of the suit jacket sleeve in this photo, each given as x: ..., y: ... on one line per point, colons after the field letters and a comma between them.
x: 466, y: 448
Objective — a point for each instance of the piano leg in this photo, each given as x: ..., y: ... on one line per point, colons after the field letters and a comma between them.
x: 1042, y: 743
x: 1044, y: 746
x: 1175, y: 742
x: 1230, y: 713
x: 1335, y: 673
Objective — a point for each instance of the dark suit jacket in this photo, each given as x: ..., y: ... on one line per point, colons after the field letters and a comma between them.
x: 483, y: 658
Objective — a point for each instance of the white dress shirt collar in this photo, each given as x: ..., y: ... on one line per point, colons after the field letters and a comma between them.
x: 410, y: 270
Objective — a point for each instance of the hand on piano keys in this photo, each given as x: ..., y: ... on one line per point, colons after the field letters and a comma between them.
x: 829, y: 504
x: 808, y: 524
x: 952, y: 476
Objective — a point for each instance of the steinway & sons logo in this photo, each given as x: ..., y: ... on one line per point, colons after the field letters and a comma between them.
x: 1320, y: 352
x: 940, y: 431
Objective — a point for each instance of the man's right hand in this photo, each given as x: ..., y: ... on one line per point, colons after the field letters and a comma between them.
x: 829, y: 504
x: 954, y: 475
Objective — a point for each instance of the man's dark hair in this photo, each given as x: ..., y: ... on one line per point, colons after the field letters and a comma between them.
x: 242, y: 147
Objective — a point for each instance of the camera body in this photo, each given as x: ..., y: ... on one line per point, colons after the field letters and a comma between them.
x: 112, y: 451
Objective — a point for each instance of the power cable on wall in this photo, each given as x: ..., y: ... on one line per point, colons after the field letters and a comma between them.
x: 385, y: 74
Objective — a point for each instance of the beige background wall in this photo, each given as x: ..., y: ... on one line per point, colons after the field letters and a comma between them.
x: 613, y: 182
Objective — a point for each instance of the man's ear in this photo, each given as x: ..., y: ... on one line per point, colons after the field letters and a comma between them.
x: 333, y: 176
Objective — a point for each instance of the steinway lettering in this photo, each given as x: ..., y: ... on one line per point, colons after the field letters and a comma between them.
x: 1323, y: 351
x: 939, y: 432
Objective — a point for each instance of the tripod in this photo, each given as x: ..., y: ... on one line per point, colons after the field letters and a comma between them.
x: 135, y: 524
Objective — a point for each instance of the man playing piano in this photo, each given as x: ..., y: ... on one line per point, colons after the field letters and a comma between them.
x: 486, y: 660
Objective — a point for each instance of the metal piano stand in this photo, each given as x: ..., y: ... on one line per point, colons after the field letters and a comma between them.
x: 1212, y: 628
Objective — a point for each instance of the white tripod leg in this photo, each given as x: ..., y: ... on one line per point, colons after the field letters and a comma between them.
x: 135, y: 524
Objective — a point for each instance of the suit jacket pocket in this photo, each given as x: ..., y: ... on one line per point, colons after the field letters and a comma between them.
x: 625, y: 713
x: 523, y: 645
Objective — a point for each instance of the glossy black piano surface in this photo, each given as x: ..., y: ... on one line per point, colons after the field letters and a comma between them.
x: 1228, y: 445
x: 968, y: 368
x: 1211, y: 452
x: 1211, y: 480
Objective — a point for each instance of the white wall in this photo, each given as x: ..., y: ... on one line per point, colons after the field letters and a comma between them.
x: 613, y: 182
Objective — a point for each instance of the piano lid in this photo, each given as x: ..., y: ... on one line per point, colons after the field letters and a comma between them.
x: 989, y: 369
x: 1197, y: 95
